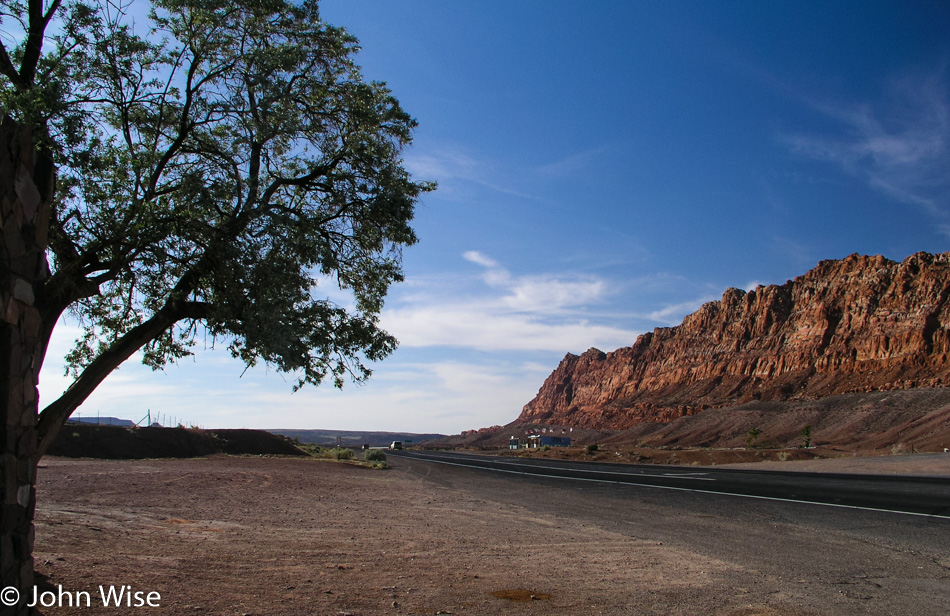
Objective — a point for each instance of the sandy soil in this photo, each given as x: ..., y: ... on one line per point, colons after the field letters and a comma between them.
x: 267, y: 536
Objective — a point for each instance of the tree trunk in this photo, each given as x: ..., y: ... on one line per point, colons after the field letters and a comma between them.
x: 26, y: 187
x: 54, y: 416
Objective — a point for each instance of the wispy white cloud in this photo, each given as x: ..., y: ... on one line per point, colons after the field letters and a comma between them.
x: 545, y: 293
x: 540, y: 312
x: 442, y: 164
x: 488, y: 327
x: 899, y: 145
x: 453, y: 167
x: 478, y: 258
x: 573, y: 163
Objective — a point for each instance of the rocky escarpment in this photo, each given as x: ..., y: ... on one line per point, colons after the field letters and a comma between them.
x: 858, y: 324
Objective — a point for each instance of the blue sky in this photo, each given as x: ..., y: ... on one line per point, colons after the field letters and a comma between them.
x: 604, y: 168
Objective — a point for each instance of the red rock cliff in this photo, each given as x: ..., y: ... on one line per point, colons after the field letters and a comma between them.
x: 858, y: 324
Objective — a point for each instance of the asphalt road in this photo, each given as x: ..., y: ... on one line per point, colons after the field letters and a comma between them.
x: 795, y: 544
x: 916, y: 495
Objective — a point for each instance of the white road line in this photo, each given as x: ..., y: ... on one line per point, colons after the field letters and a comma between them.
x: 647, y: 485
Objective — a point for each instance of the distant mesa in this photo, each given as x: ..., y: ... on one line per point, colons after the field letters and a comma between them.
x: 104, y: 421
x: 856, y: 325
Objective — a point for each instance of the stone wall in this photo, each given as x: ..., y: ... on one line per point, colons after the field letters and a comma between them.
x: 24, y: 216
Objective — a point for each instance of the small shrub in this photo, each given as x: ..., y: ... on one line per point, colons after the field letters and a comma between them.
x: 546, y: 448
x: 339, y: 453
x: 375, y: 455
x: 752, y: 437
x: 310, y: 449
x: 592, y: 448
x: 806, y: 436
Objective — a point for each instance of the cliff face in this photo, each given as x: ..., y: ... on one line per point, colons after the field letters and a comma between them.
x: 858, y: 324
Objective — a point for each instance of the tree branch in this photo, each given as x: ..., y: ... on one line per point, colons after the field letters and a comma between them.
x: 8, y: 70
x: 34, y: 40
x: 302, y: 180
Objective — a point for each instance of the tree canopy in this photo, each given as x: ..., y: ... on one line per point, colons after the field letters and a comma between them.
x: 212, y: 168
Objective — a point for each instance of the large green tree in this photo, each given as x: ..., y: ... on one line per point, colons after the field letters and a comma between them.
x: 210, y: 167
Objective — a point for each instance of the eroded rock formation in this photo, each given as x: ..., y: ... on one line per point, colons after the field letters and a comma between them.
x: 858, y: 324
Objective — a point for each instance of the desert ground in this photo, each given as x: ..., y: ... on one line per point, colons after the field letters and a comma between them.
x: 232, y: 535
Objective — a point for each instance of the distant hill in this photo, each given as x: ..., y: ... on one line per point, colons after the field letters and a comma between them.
x: 103, y: 421
x: 353, y: 438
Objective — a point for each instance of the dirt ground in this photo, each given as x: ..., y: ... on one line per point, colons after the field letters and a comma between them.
x: 281, y: 536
